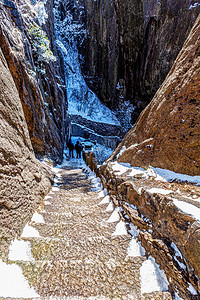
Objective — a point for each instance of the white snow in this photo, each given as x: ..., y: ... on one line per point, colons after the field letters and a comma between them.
x: 12, y: 282
x: 188, y: 208
x: 47, y: 203
x: 102, y: 193
x: 81, y: 100
x: 119, y: 168
x: 37, y: 218
x: 105, y: 200
x: 30, y: 232
x: 123, y: 148
x: 159, y: 191
x: 115, y: 216
x: 133, y: 230
x: 167, y: 175
x: 41, y: 12
x: 158, y: 173
x: 135, y: 249
x: 110, y: 207
x: 20, y: 250
x: 177, y: 297
x: 120, y: 229
x: 177, y: 251
x: 192, y: 290
x: 55, y: 189
x: 194, y: 5
x: 152, y: 279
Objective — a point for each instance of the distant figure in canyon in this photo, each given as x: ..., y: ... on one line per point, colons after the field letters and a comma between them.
x: 78, y: 148
x: 70, y: 145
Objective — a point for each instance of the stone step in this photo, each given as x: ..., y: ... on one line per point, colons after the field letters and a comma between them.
x: 78, y: 248
x: 112, y: 278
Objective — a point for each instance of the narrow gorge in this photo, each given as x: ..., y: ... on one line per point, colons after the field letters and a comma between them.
x: 121, y: 78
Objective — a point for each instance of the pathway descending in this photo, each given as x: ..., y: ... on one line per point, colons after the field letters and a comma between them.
x: 74, y: 253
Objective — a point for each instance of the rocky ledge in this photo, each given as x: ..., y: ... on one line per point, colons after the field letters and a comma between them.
x: 166, y: 215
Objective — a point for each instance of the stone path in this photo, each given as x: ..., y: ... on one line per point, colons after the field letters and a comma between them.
x: 74, y: 254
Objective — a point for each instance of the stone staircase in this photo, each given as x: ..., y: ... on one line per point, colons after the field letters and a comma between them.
x: 74, y: 254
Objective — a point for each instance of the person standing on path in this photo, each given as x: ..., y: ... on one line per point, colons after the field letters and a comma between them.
x: 78, y: 148
x: 71, y: 148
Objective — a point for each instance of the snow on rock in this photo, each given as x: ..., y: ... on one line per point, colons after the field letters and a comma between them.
x: 41, y: 12
x: 20, y: 250
x: 102, y: 193
x: 13, y: 284
x: 133, y: 230
x: 110, y: 207
x: 119, y: 168
x: 135, y: 249
x: 81, y: 100
x: 30, y: 232
x: 176, y: 297
x: 37, y: 218
x: 152, y: 279
x: 188, y: 208
x: 115, y: 216
x: 192, y: 290
x: 55, y: 189
x: 105, y: 200
x: 120, y: 229
x: 159, y: 191
x: 167, y: 175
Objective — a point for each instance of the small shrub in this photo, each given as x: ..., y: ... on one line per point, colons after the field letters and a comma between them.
x: 40, y: 44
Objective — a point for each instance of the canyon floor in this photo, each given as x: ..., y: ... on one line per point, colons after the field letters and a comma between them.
x: 76, y: 247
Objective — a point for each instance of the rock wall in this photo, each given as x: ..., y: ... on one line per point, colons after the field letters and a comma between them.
x: 24, y: 180
x: 32, y: 112
x: 166, y: 134
x: 132, y: 45
x: 38, y: 81
x: 164, y: 230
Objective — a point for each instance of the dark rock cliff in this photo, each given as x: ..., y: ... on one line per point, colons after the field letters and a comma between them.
x: 37, y: 79
x: 132, y: 45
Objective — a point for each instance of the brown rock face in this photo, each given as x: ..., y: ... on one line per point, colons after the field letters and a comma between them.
x: 166, y: 134
x: 167, y: 233
x: 38, y: 82
x: 24, y: 181
x: 136, y: 43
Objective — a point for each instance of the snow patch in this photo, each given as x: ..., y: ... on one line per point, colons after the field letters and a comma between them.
x: 167, y: 175
x: 135, y: 249
x: 30, y: 232
x: 55, y: 189
x: 102, y: 193
x: 159, y: 191
x: 115, y: 216
x: 120, y: 229
x: 110, y: 207
x: 20, y: 250
x: 152, y: 279
x: 188, y: 208
x: 105, y: 200
x: 13, y: 284
x: 192, y: 290
x: 37, y: 218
